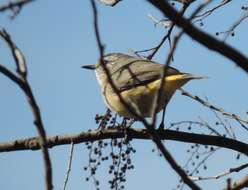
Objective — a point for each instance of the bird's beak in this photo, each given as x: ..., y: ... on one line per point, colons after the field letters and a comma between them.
x: 91, y: 67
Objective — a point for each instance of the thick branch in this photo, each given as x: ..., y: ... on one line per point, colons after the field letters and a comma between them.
x: 200, y: 36
x: 33, y: 143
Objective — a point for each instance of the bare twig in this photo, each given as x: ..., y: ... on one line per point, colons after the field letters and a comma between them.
x: 68, y: 166
x: 222, y: 123
x: 22, y: 82
x: 19, y: 58
x: 196, y: 154
x: 207, y: 13
x: 219, y: 175
x: 205, y: 39
x: 200, y: 123
x: 204, y: 160
x: 164, y: 22
x: 215, y: 108
x: 169, y: 24
x: 14, y: 6
x: 191, y: 157
x: 167, y: 36
x: 235, y: 25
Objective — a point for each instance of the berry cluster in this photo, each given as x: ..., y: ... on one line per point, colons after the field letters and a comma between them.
x: 116, y: 151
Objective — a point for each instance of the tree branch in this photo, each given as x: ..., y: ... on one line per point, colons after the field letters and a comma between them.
x: 241, y: 121
x: 221, y: 174
x: 22, y: 82
x: 14, y: 6
x: 200, y: 36
x: 68, y: 166
x: 33, y: 143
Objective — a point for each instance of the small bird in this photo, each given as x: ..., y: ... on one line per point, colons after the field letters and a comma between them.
x: 138, y: 81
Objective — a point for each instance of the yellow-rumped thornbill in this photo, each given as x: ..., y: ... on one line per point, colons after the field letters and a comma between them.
x: 137, y: 81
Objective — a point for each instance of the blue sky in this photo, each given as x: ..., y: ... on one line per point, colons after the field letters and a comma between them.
x: 57, y: 37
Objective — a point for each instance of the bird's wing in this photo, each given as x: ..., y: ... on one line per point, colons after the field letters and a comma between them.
x: 139, y: 72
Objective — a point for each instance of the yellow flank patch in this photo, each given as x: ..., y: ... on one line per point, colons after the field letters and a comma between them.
x: 141, y: 97
x: 170, y: 85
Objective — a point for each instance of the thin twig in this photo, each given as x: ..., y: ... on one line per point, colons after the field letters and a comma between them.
x: 221, y: 174
x: 202, y: 37
x: 163, y: 40
x: 200, y: 123
x: 235, y: 25
x: 14, y: 6
x: 167, y: 36
x: 215, y: 108
x: 209, y: 154
x: 207, y: 13
x: 22, y: 82
x: 18, y: 56
x: 68, y: 166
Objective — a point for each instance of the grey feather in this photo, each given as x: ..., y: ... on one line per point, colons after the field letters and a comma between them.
x: 133, y: 71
